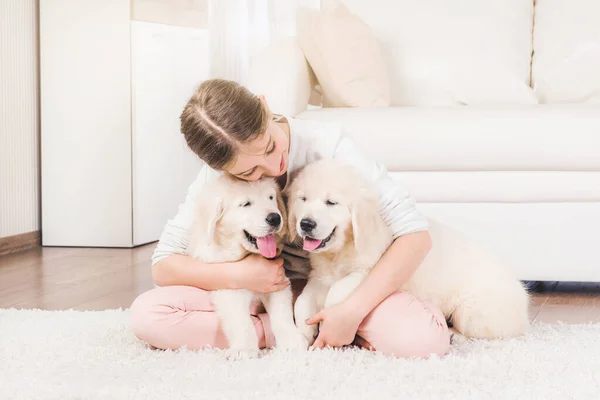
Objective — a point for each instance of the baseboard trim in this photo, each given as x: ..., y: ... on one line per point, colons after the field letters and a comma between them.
x: 24, y: 241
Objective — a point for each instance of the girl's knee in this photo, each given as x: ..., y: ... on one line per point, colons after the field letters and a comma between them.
x: 158, y: 316
x: 404, y: 326
x: 142, y: 313
x: 427, y: 340
x: 172, y: 317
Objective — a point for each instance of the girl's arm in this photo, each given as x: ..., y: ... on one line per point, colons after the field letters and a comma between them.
x: 394, y: 268
x: 253, y: 272
x: 179, y: 269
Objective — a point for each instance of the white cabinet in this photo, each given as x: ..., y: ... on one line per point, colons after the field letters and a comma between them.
x: 114, y: 165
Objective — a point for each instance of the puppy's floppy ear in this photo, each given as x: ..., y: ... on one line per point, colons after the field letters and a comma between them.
x: 283, y: 211
x: 366, y: 220
x: 292, y: 235
x: 208, y: 214
x: 214, y: 215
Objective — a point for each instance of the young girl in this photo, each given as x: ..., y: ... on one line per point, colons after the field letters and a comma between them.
x: 234, y: 132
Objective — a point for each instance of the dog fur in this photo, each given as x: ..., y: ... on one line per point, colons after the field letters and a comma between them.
x: 227, y: 211
x: 478, y: 294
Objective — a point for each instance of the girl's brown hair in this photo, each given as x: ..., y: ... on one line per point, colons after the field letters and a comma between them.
x: 220, y: 116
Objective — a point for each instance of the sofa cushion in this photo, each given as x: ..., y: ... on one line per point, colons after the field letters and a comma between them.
x: 282, y: 61
x: 501, y: 186
x: 533, y: 138
x: 344, y: 56
x: 441, y: 52
x: 551, y: 241
x: 566, y: 60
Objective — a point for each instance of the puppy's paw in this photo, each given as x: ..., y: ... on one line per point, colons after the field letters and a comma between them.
x: 242, y: 348
x: 310, y: 333
x: 293, y: 340
x: 457, y: 338
x: 237, y: 354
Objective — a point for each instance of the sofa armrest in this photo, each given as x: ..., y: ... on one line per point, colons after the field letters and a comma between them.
x: 281, y: 73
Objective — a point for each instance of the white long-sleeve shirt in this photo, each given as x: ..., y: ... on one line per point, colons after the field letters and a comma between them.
x: 309, y: 141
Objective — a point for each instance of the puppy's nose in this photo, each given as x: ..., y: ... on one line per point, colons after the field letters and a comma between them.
x: 307, y: 224
x: 274, y: 219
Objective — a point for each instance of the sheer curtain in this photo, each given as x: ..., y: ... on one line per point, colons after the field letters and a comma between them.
x: 239, y: 29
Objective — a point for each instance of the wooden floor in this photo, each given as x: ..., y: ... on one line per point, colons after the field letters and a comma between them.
x: 78, y: 278
x: 98, y: 279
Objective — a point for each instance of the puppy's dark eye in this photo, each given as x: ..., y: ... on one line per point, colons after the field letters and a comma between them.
x: 271, y: 197
x: 246, y: 204
x: 302, y: 198
x: 331, y: 203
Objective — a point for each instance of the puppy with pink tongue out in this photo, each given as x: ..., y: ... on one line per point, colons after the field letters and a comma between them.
x: 334, y: 210
x: 266, y: 244
x: 234, y: 219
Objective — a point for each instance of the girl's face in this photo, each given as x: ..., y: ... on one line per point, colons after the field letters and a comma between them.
x: 266, y: 156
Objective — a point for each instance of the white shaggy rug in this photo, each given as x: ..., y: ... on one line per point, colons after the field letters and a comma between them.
x: 93, y: 355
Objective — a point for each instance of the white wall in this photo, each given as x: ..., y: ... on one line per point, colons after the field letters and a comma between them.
x: 19, y: 127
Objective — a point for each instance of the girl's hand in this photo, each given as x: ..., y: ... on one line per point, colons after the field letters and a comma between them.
x: 338, y: 328
x: 259, y: 274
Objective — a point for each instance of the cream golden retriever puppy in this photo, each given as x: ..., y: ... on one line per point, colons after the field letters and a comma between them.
x: 233, y: 219
x: 335, y: 212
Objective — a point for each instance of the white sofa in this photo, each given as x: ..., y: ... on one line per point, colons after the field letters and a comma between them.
x: 510, y: 157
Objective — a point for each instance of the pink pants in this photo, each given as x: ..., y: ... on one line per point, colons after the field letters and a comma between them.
x: 174, y: 316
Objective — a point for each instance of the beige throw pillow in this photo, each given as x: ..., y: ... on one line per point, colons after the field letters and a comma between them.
x: 345, y: 57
